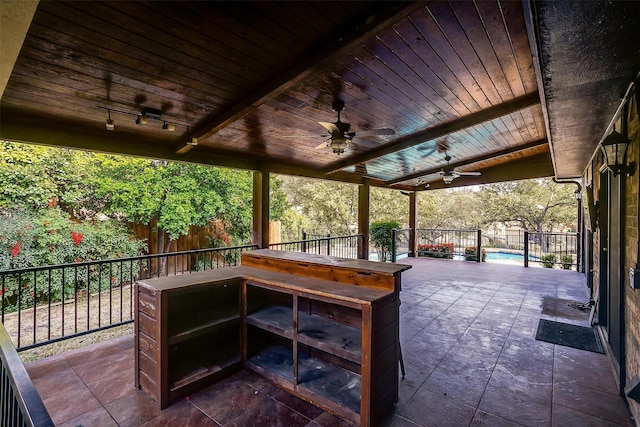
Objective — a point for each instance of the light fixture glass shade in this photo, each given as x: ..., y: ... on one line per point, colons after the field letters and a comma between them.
x: 110, y: 124
x: 168, y: 127
x: 338, y: 145
x: 448, y: 179
x: 194, y: 141
x: 614, y: 148
x: 142, y: 120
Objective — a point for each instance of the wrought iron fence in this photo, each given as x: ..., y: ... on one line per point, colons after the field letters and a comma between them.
x: 450, y: 244
x: 401, y: 247
x: 552, y: 249
x: 340, y: 246
x: 503, y: 239
x: 20, y: 403
x: 41, y: 305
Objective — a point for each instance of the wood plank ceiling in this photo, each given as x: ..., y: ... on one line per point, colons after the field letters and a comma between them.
x: 251, y: 81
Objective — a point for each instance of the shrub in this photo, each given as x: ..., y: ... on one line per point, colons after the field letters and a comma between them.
x: 471, y: 254
x: 50, y: 237
x: 443, y: 250
x: 567, y: 261
x: 382, y: 238
x: 548, y: 260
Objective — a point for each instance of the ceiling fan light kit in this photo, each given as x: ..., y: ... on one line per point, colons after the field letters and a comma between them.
x: 339, y: 136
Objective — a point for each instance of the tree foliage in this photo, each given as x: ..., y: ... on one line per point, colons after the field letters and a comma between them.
x: 535, y: 205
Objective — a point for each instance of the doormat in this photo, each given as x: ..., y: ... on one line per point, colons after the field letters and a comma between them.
x: 580, y: 337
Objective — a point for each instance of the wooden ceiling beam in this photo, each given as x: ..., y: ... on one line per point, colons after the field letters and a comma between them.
x: 374, y: 22
x: 439, y: 131
x: 487, y: 156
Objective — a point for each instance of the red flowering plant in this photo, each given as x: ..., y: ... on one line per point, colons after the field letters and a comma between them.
x: 441, y: 250
x: 51, y: 238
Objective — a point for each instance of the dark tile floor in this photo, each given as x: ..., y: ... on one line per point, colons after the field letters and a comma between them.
x: 467, y: 334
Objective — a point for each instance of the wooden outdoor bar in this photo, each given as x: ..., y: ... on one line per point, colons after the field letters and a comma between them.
x: 325, y: 329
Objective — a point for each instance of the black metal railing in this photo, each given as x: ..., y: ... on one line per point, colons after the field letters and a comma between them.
x: 552, y: 249
x: 41, y: 305
x: 20, y: 403
x: 450, y: 244
x: 503, y: 239
x: 340, y: 246
x: 400, y: 248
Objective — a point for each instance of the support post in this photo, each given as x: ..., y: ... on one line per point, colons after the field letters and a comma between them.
x: 526, y: 248
x: 479, y: 247
x: 363, y: 220
x: 413, y: 222
x: 260, y: 232
x: 394, y: 248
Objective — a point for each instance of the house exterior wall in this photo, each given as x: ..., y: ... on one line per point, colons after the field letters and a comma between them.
x: 632, y: 296
x: 630, y: 242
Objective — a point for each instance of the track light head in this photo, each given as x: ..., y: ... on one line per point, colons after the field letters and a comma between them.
x: 109, y: 123
x: 169, y: 127
x: 142, y: 120
x: 193, y: 141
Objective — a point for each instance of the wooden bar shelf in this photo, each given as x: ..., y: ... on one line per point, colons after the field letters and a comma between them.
x: 322, y: 328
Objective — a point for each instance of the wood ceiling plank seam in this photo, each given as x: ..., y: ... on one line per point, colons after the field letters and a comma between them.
x: 422, y: 49
x: 304, y: 25
x: 237, y: 53
x: 417, y: 119
x: 374, y: 109
x: 229, y: 25
x: 107, y: 25
x: 492, y: 19
x: 382, y: 101
x: 440, y: 130
x: 328, y: 54
x: 512, y: 127
x: 501, y: 140
x: 492, y: 155
x: 532, y: 128
x: 514, y: 20
x: 467, y: 57
x: 521, y: 126
x: 174, y: 48
x: 421, y: 110
x: 540, y: 123
x: 401, y: 49
x: 433, y: 34
x: 478, y: 41
x: 32, y: 69
x: 136, y: 57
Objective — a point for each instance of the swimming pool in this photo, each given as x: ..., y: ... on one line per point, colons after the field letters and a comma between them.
x: 507, y: 256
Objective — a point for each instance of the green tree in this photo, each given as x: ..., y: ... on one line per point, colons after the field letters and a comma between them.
x: 536, y: 205
x: 175, y: 195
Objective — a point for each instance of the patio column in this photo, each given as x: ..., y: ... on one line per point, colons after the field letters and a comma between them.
x: 260, y: 233
x: 363, y: 220
x: 413, y: 222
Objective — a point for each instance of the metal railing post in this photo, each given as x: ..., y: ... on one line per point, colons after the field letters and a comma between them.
x: 328, y: 244
x: 526, y: 248
x: 304, y: 241
x: 479, y: 246
x: 394, y: 250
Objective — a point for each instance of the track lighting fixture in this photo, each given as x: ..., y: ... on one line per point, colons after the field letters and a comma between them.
x: 169, y: 127
x: 142, y: 119
x: 110, y: 124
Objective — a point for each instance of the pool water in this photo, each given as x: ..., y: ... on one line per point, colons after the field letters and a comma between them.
x: 494, y: 256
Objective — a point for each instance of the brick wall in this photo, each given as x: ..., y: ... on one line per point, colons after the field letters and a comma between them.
x: 632, y: 296
x: 630, y: 242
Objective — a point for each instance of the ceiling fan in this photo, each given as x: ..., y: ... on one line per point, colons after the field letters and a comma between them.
x: 448, y: 174
x: 339, y: 136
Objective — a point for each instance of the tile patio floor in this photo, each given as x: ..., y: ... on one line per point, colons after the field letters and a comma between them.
x: 467, y: 333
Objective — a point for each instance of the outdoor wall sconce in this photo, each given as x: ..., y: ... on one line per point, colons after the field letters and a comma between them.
x: 614, y: 148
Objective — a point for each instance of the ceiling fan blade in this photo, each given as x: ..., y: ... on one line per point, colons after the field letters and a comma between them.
x: 331, y: 127
x: 319, y: 146
x: 384, y: 131
x: 468, y: 173
x: 365, y: 143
